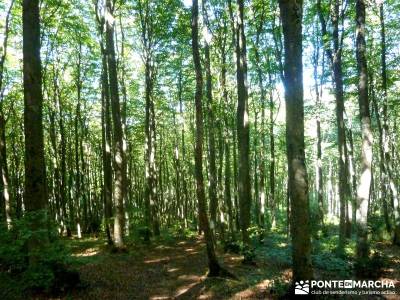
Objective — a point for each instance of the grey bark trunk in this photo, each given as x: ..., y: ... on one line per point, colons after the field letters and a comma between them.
x: 363, y: 191
x: 118, y: 142
x: 243, y: 128
x: 291, y: 14
x: 214, y: 267
x: 35, y: 194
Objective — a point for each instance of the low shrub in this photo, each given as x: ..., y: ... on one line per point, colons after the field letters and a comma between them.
x: 42, y: 269
x: 371, y: 267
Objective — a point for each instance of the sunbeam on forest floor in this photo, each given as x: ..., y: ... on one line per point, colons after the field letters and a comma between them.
x: 177, y: 269
x: 165, y: 270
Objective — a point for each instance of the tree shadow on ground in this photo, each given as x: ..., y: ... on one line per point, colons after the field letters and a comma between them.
x: 177, y: 269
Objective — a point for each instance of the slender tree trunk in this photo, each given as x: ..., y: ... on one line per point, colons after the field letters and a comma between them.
x: 6, y: 198
x: 272, y: 184
x: 319, y: 180
x: 335, y: 57
x: 243, y: 129
x: 214, y: 267
x: 118, y: 143
x: 63, y: 168
x: 106, y: 130
x: 150, y: 190
x: 291, y: 14
x: 382, y: 166
x: 228, y: 171
x: 177, y: 167
x: 363, y: 192
x: 227, y: 195
x: 106, y: 149
x: 4, y: 184
x: 16, y: 174
x: 211, y: 140
x: 387, y: 182
x: 256, y: 192
x: 261, y: 168
x: 35, y: 198
x: 77, y: 123
x: 352, y: 173
x: 185, y: 194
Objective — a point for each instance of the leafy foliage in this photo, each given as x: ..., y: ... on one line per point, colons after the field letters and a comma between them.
x: 41, y: 269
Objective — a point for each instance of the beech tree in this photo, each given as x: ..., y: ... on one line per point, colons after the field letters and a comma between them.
x: 363, y: 191
x: 119, y: 144
x: 291, y: 14
x: 213, y: 265
x: 35, y: 196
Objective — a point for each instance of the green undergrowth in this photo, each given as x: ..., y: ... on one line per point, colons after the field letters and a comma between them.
x: 26, y: 268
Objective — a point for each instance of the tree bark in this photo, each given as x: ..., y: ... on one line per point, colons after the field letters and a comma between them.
x: 118, y: 142
x: 243, y: 129
x: 227, y: 152
x: 291, y: 14
x: 4, y: 184
x: 213, y: 265
x: 272, y: 198
x: 319, y: 180
x: 106, y: 149
x: 6, y: 197
x: 335, y: 58
x: 35, y: 197
x: 387, y: 182
x: 261, y: 167
x: 212, y: 192
x: 382, y: 166
x: 363, y: 191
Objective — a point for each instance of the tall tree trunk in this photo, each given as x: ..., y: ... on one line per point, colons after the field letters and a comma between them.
x: 227, y: 183
x: 4, y: 184
x: 212, y: 192
x: 386, y: 165
x: 291, y: 14
x: 6, y: 197
x: 256, y: 192
x: 213, y: 265
x: 106, y: 149
x: 150, y: 189
x: 335, y: 58
x: 228, y: 171
x: 185, y: 193
x: 77, y: 125
x: 243, y: 129
x: 272, y: 198
x: 319, y: 180
x: 145, y: 15
x: 63, y: 168
x: 35, y: 198
x: 106, y: 130
x: 352, y: 174
x: 118, y: 143
x: 382, y: 166
x: 261, y: 168
x: 363, y: 192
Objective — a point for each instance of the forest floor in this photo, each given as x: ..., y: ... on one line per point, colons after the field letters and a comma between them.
x: 177, y: 268
x: 163, y: 270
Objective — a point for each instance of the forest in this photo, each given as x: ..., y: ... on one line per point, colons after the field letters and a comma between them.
x: 199, y: 149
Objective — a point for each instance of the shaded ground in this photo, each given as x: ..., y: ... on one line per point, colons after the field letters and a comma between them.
x: 163, y: 270
x: 392, y: 270
x: 176, y: 269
